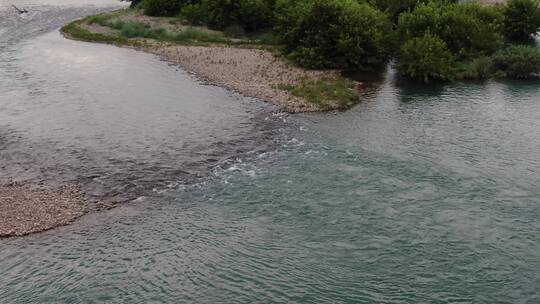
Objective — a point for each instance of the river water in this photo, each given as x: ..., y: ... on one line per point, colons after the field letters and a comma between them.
x: 420, y: 194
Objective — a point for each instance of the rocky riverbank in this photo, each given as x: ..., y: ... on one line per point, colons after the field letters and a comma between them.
x: 252, y: 72
x: 27, y: 209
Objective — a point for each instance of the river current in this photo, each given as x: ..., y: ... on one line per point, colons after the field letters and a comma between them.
x: 420, y: 194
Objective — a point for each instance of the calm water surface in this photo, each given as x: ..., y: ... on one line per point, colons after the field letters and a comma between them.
x: 417, y: 195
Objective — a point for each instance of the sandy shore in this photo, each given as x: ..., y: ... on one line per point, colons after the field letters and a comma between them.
x: 251, y: 72
x: 26, y: 209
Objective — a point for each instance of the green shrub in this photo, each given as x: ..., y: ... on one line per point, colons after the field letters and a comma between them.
x: 471, y: 29
x: 252, y: 15
x: 287, y: 14
x: 423, y: 19
x: 518, y: 61
x: 163, y: 7
x: 426, y: 58
x: 336, y: 34
x: 522, y: 20
x: 255, y: 15
x: 395, y: 7
x: 194, y: 14
x: 478, y: 68
x: 468, y: 29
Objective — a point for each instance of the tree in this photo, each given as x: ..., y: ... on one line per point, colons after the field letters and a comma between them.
x: 395, y: 7
x: 471, y: 29
x: 336, y: 34
x: 468, y: 29
x: 252, y: 15
x: 163, y: 7
x: 426, y: 58
x: 521, y: 20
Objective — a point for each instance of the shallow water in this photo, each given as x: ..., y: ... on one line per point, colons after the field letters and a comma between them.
x: 420, y: 194
x: 118, y: 121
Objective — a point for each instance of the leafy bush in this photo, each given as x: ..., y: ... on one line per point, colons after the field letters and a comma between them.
x: 471, y: 29
x: 255, y: 15
x: 287, y: 14
x: 251, y: 15
x: 194, y: 14
x: 335, y: 34
x: 478, y: 68
x: 162, y: 7
x: 518, y: 61
x: 423, y: 19
x: 426, y: 58
x: 395, y: 7
x: 522, y: 20
x: 468, y: 29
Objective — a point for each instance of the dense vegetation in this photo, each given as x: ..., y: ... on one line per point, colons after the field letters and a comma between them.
x: 430, y: 39
x: 522, y: 19
x: 336, y: 34
x: 468, y: 40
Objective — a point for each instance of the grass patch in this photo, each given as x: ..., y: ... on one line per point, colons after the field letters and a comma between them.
x: 328, y: 93
x: 101, y: 19
x: 132, y: 29
x: 74, y: 30
x: 192, y: 34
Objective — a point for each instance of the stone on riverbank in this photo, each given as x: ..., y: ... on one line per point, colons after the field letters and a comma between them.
x: 26, y: 209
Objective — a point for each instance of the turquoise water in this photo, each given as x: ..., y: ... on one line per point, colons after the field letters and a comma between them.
x: 420, y: 194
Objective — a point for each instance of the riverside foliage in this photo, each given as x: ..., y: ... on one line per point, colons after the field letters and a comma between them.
x: 429, y: 39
